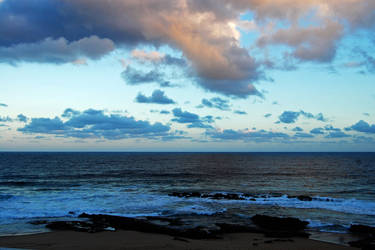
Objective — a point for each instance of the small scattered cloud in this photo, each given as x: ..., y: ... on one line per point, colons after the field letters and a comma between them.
x: 5, y: 119
x: 331, y: 128
x: 317, y: 131
x: 267, y: 115
x: 336, y: 134
x: 164, y: 112
x: 157, y: 97
x: 215, y: 102
x: 362, y: 127
x: 3, y: 105
x: 22, y: 118
x: 297, y: 129
x: 366, y: 114
x: 240, y: 112
x: 292, y: 116
x: 192, y: 120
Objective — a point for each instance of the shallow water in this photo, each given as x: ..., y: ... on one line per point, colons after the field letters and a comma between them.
x: 50, y: 185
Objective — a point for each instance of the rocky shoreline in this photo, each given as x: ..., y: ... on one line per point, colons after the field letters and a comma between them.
x: 269, y: 226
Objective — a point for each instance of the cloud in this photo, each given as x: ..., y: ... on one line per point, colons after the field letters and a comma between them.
x: 336, y: 134
x: 164, y: 112
x: 245, y: 135
x: 297, y: 129
x: 215, y: 102
x: 157, y: 58
x: 22, y: 118
x: 70, y: 112
x: 5, y: 119
x: 57, y: 50
x: 267, y: 115
x: 240, y: 112
x: 303, y: 135
x: 193, y: 120
x: 317, y: 131
x: 366, y: 114
x: 96, y: 124
x: 52, y: 31
x: 157, y: 97
x: 3, y: 105
x: 208, y: 34
x: 363, y: 127
x: 292, y: 116
x: 331, y: 128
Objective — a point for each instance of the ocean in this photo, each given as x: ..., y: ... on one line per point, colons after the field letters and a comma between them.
x: 50, y: 186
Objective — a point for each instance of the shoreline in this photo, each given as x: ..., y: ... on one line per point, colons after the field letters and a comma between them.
x: 125, y: 239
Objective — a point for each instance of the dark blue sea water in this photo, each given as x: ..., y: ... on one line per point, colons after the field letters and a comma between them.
x: 60, y: 185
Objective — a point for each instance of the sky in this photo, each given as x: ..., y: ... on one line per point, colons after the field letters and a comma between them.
x: 187, y: 75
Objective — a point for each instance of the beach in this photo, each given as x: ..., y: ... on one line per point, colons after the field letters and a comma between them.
x: 137, y: 240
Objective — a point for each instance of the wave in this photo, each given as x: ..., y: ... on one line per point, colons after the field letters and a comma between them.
x: 351, y: 206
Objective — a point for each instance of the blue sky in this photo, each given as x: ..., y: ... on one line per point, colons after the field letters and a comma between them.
x: 130, y: 76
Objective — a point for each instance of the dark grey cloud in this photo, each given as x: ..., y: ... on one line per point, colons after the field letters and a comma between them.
x: 96, y: 124
x: 22, y: 118
x: 192, y: 120
x: 363, y: 127
x: 215, y: 102
x: 164, y: 112
x: 3, y: 105
x: 157, y: 97
x: 292, y: 116
x: 240, y: 112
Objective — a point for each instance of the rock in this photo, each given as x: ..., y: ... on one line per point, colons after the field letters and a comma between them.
x: 365, y: 244
x: 276, y: 223
x: 235, y: 228
x: 38, y: 222
x: 304, y: 198
x: 361, y: 229
x: 301, y: 197
x: 77, y: 226
x: 146, y: 225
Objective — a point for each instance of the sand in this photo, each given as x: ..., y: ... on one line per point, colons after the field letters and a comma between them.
x: 136, y: 240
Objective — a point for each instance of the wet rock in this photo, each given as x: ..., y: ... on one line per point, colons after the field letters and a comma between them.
x: 304, y: 198
x: 146, y: 225
x: 38, y: 222
x: 301, y: 197
x: 77, y: 226
x: 361, y: 229
x: 280, y: 227
x: 365, y: 244
x: 235, y: 228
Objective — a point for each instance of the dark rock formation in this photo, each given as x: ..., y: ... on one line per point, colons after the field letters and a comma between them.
x: 280, y: 227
